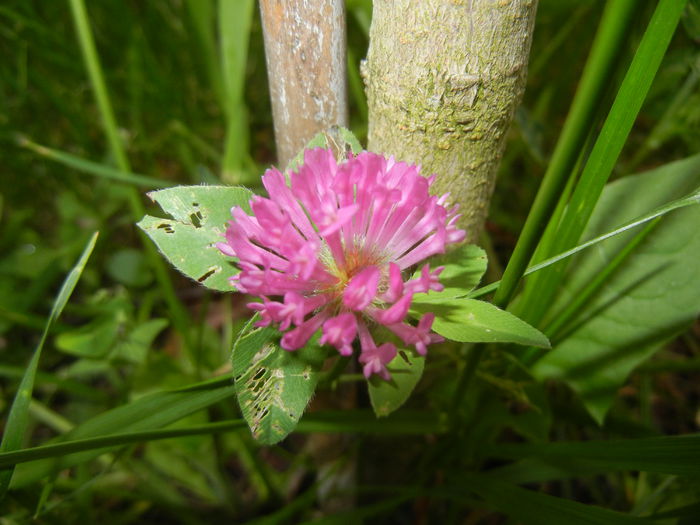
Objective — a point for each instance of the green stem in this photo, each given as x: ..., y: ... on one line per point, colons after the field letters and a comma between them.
x: 328, y: 377
x: 92, y: 64
x: 473, y: 358
x: 608, y: 43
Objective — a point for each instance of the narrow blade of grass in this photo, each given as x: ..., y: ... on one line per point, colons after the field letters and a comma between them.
x: 235, y: 19
x: 92, y: 168
x: 326, y: 422
x: 92, y: 63
x: 679, y: 455
x: 18, y: 418
x: 535, y: 508
x: 146, y: 414
x: 691, y: 198
x: 94, y: 70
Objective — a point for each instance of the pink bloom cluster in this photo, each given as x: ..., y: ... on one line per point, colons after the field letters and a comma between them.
x: 330, y: 250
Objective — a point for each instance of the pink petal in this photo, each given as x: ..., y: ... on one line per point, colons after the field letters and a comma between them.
x: 340, y: 332
x: 362, y: 289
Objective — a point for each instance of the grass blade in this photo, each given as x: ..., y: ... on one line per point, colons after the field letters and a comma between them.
x: 146, y: 414
x: 608, y: 43
x: 533, y: 508
x: 235, y: 18
x: 93, y: 168
x: 18, y: 418
x: 363, y: 422
x: 92, y: 64
x: 679, y: 455
x: 691, y: 198
x: 540, y: 290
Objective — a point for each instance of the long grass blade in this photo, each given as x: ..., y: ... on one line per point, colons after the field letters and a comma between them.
x: 533, y: 508
x: 148, y: 413
x: 325, y: 422
x: 92, y: 63
x: 18, y: 418
x: 94, y: 69
x: 92, y: 168
x: 691, y: 198
x: 607, y: 45
x: 540, y: 290
x: 235, y: 18
x: 679, y: 455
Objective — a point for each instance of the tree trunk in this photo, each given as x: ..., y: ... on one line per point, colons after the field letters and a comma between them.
x: 305, y: 52
x: 443, y: 80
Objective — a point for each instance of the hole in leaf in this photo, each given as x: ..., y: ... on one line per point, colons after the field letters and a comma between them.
x: 206, y: 275
x: 196, y: 219
x: 167, y: 228
x: 404, y: 357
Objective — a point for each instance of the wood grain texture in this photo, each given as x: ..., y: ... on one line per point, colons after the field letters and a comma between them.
x: 305, y: 52
x: 443, y: 79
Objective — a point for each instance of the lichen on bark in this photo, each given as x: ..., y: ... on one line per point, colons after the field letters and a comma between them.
x: 443, y: 79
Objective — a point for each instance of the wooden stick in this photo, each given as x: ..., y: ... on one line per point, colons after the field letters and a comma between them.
x: 306, y: 64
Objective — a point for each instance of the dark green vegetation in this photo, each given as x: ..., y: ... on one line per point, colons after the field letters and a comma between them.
x: 135, y: 374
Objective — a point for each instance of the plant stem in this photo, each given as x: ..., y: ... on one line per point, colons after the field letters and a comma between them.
x: 92, y: 64
x: 472, y: 362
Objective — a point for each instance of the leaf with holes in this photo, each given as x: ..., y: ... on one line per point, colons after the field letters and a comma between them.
x: 273, y: 385
x: 199, y: 218
x: 406, y: 370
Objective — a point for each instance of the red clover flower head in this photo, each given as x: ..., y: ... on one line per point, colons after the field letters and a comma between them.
x: 331, y: 251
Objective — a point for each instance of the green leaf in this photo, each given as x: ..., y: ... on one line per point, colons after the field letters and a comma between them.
x: 18, y: 419
x: 647, y: 301
x: 146, y: 413
x: 464, y: 268
x: 532, y: 508
x: 130, y: 267
x: 200, y: 215
x: 137, y: 344
x: 677, y: 455
x: 273, y: 385
x: 472, y: 321
x: 93, y: 340
x: 406, y: 370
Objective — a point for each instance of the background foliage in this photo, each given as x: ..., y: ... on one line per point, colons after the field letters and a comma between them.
x: 140, y: 353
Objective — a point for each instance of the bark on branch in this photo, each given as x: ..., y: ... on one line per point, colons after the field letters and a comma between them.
x: 443, y: 79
